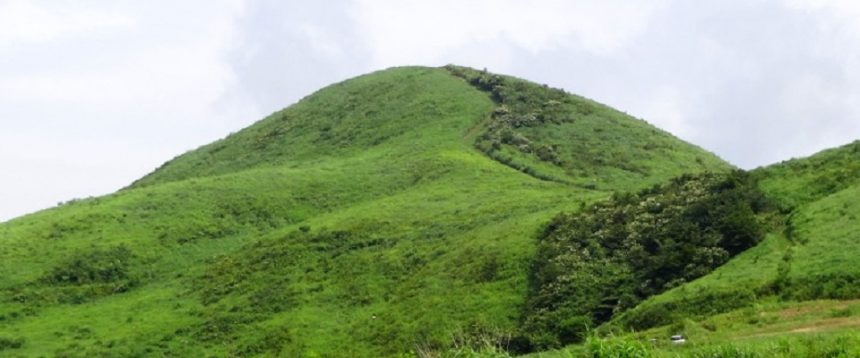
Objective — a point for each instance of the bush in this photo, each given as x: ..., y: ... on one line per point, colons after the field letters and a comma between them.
x: 11, y: 343
x: 83, y: 276
x: 657, y: 314
x: 96, y: 266
x: 607, y: 258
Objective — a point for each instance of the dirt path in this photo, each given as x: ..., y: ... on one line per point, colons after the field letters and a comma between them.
x: 827, y: 324
x: 823, y: 325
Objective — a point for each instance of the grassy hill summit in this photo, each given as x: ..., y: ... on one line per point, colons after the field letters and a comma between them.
x: 544, y: 132
x: 414, y: 211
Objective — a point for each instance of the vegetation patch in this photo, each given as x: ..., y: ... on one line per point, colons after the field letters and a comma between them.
x: 84, y: 276
x: 98, y: 266
x: 556, y: 136
x: 796, y: 182
x: 7, y: 343
x: 608, y: 257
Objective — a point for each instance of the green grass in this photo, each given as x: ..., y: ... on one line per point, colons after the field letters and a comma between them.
x: 361, y: 221
x: 810, y: 254
x: 824, y: 328
x: 556, y: 136
x: 796, y: 182
x: 824, y: 260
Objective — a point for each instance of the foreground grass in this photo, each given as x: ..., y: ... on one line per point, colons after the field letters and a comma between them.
x: 824, y: 328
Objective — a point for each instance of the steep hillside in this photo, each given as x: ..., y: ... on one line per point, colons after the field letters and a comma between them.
x: 607, y: 258
x: 368, y: 219
x: 807, y: 255
x: 792, y: 295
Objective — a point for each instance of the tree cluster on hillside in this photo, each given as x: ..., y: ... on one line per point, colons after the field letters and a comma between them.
x: 608, y: 257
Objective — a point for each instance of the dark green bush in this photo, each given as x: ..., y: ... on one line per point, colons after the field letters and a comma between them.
x: 83, y: 276
x: 10, y: 343
x: 831, y: 286
x: 607, y: 258
x: 96, y: 266
x: 704, y: 304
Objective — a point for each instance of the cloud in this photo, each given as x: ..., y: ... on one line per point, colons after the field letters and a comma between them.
x: 23, y: 22
x: 413, y: 31
x: 729, y: 76
x: 756, y: 82
x: 93, y: 97
x: 99, y: 93
x: 666, y: 107
x: 287, y: 49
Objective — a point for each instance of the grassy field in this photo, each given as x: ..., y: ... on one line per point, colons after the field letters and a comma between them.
x: 821, y: 328
x: 793, y: 295
x: 362, y: 221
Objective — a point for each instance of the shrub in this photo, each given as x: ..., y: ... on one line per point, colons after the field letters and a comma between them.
x: 10, y: 343
x: 96, y: 266
x: 661, y: 313
x: 608, y: 257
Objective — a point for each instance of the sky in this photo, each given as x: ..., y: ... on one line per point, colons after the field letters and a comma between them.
x: 95, y: 94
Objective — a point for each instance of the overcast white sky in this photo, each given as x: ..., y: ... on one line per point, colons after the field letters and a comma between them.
x: 95, y: 94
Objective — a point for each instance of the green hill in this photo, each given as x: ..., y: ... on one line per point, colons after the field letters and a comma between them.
x: 391, y: 212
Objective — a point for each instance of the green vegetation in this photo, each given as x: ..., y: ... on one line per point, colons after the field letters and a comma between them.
x: 797, y: 182
x: 809, y: 255
x: 839, y: 345
x: 443, y: 212
x: 361, y: 221
x: 609, y: 257
x: 767, y: 329
x: 556, y: 136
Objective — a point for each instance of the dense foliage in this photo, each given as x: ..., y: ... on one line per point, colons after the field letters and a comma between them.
x: 521, y: 104
x: 810, y: 254
x: 610, y: 256
x: 556, y: 136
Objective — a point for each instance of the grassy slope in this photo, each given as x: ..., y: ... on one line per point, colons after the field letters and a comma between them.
x: 360, y: 221
x: 810, y: 255
x: 751, y: 302
x: 796, y: 182
x: 554, y: 135
x: 821, y: 328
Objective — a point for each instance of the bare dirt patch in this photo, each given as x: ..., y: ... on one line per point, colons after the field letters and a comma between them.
x: 827, y: 325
